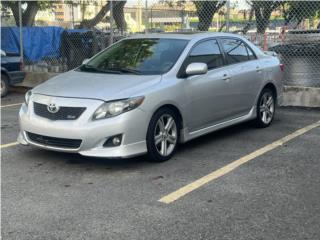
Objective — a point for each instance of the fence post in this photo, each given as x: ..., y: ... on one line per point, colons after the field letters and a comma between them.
x: 72, y: 13
x: 265, y: 42
x: 111, y: 22
x: 151, y: 17
x: 20, y: 31
x: 182, y: 18
x: 228, y: 15
x: 147, y: 17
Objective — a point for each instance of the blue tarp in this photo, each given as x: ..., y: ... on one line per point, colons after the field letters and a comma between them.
x: 38, y: 42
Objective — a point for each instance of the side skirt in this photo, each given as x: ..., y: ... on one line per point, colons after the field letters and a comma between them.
x: 187, y: 136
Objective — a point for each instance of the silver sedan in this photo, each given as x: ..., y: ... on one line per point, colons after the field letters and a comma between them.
x: 147, y: 93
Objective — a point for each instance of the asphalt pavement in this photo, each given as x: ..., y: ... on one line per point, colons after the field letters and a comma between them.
x: 51, y: 195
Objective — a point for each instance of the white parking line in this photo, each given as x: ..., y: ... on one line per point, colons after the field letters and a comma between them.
x: 10, y: 105
x: 8, y: 145
x: 232, y: 166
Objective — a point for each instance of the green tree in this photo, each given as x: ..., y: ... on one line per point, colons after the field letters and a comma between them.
x: 29, y: 11
x: 206, y: 11
x: 31, y: 8
x: 262, y: 11
x: 117, y: 13
x: 297, y: 11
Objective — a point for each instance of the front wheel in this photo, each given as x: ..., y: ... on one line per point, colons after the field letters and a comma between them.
x: 163, y: 135
x: 265, y: 108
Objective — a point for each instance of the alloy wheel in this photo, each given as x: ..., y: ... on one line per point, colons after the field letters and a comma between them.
x: 267, y: 108
x: 165, y: 135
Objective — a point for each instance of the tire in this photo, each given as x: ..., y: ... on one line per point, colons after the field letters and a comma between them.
x: 266, y: 107
x: 163, y: 135
x: 4, y: 85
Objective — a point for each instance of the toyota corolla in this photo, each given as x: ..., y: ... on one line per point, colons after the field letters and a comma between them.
x: 148, y: 93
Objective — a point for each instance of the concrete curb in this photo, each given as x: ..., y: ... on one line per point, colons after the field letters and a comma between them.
x: 292, y: 95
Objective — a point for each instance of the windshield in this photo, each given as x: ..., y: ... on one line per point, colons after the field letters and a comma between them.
x: 138, y: 56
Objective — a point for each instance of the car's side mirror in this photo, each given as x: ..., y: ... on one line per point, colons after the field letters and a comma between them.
x: 196, y: 69
x: 85, y: 61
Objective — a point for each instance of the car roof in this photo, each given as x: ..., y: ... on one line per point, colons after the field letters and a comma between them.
x: 185, y: 35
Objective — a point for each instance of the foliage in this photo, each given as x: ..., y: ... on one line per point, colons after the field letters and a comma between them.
x: 118, y: 14
x: 206, y: 11
x: 31, y: 8
x: 262, y: 11
x: 29, y: 11
x: 293, y: 11
x: 299, y: 10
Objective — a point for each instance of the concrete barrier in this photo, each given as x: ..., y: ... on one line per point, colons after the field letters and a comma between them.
x: 33, y: 79
x: 301, y: 96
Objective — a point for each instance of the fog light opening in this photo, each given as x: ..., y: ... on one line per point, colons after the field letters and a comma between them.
x: 116, y: 141
x: 113, y: 141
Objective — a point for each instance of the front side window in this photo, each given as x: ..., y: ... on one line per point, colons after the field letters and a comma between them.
x: 235, y: 51
x: 146, y: 56
x: 206, y: 52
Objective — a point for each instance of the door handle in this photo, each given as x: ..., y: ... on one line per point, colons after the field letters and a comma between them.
x: 258, y: 69
x: 225, y: 77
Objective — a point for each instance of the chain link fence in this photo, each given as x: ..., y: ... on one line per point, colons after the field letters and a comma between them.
x: 67, y: 32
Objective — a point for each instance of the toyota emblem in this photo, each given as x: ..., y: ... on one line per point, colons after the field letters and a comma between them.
x: 53, y: 108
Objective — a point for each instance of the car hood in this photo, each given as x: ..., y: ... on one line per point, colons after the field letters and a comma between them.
x: 96, y: 85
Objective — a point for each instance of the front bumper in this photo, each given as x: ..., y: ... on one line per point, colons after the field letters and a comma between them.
x: 132, y: 125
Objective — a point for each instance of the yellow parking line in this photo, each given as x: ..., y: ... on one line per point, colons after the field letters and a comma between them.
x: 8, y: 145
x: 10, y: 105
x: 232, y: 166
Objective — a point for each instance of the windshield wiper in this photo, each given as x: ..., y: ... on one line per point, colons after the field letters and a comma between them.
x: 95, y: 69
x: 125, y: 70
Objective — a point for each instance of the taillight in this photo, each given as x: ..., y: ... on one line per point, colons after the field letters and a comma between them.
x: 281, y: 67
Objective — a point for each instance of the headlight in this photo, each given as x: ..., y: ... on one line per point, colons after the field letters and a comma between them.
x: 27, y: 97
x: 114, y: 108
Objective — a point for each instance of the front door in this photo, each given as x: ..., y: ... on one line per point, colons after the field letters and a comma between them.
x: 208, y: 94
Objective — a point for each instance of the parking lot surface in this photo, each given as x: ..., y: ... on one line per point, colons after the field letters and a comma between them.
x: 51, y: 195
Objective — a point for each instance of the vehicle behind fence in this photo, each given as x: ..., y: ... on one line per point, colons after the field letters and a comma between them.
x: 289, y: 28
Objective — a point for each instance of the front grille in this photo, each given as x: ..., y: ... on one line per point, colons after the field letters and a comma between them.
x: 54, y: 142
x: 64, y: 113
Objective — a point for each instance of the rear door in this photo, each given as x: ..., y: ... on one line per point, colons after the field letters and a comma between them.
x: 245, y: 74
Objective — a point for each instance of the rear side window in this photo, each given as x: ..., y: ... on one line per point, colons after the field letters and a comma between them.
x: 236, y: 51
x: 206, y: 52
x: 251, y: 54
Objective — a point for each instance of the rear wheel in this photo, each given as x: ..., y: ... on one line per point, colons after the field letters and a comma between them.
x: 163, y: 135
x: 4, y: 85
x: 265, y: 108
